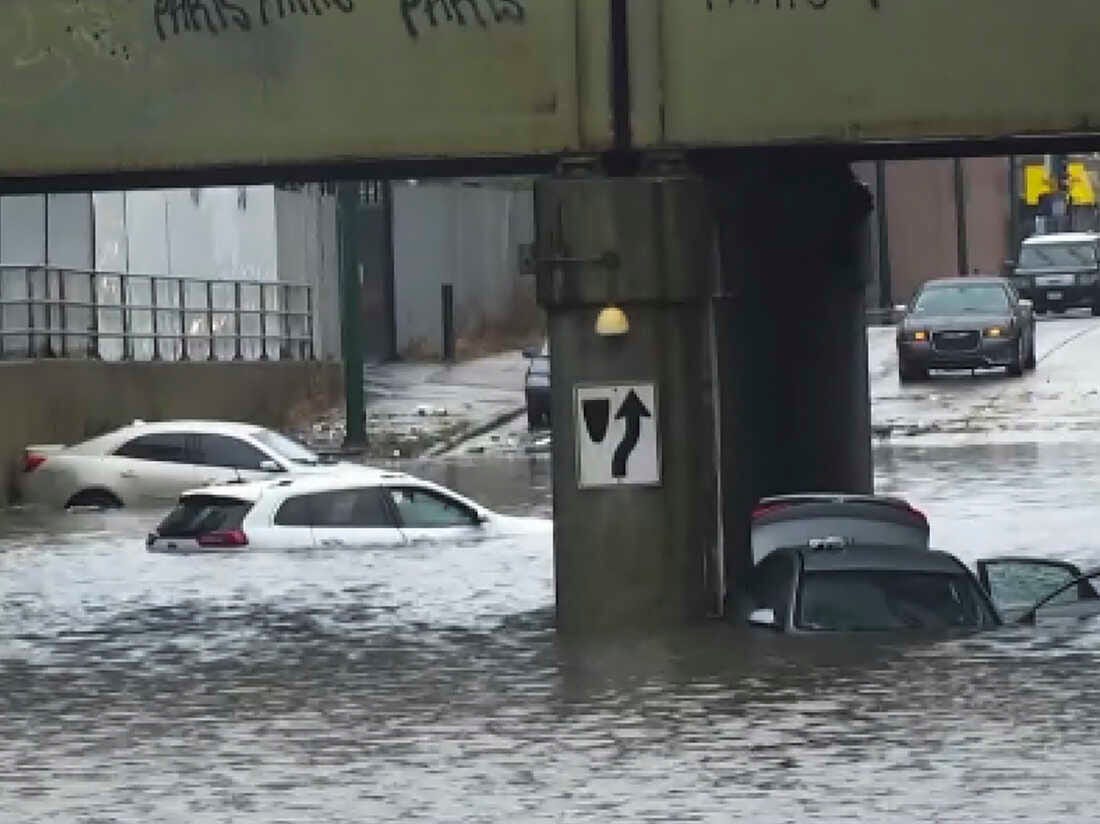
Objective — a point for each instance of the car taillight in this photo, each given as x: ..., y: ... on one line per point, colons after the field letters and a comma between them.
x: 223, y: 538
x: 765, y: 509
x: 32, y: 460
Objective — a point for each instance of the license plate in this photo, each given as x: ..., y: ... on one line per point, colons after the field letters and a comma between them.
x: 1054, y: 295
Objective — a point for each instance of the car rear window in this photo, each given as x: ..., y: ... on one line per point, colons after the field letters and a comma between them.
x: 202, y: 514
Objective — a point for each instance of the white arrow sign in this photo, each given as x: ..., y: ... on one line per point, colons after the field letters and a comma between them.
x: 617, y: 435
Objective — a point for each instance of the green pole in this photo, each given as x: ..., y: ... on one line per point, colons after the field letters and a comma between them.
x: 347, y: 211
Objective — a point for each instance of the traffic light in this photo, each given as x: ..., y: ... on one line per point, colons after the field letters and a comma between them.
x: 1059, y: 173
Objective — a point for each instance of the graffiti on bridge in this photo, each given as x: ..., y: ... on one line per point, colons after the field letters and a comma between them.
x: 177, y: 17
x: 816, y: 5
x: 483, y: 13
x: 174, y: 18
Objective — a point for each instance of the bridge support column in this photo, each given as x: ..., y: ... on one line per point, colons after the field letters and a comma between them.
x: 638, y: 550
x: 792, y: 352
x: 744, y: 292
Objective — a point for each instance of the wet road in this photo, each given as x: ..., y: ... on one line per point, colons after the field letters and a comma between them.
x: 1059, y: 401
x: 428, y: 685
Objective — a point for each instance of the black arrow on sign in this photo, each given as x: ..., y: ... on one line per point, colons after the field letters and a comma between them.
x: 633, y: 410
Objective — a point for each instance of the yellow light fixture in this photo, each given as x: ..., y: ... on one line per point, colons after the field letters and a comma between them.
x: 612, y: 322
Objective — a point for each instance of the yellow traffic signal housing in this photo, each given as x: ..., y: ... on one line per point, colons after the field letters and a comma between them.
x: 1079, y: 184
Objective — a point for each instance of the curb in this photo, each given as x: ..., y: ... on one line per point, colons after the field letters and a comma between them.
x: 488, y: 426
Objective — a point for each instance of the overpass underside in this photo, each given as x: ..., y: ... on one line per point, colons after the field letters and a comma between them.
x: 695, y: 156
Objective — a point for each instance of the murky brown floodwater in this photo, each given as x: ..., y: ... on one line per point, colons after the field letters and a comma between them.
x: 428, y: 684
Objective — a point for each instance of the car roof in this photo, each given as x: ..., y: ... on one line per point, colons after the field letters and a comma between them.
x: 1062, y: 237
x: 832, y: 498
x: 348, y: 477
x: 191, y: 425
x: 884, y: 558
x: 972, y: 280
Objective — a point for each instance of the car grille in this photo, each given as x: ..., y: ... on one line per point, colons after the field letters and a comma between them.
x: 955, y: 341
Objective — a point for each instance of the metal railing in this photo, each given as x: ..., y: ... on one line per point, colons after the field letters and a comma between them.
x: 72, y: 313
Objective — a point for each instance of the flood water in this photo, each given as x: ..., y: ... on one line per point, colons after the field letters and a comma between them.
x: 429, y: 685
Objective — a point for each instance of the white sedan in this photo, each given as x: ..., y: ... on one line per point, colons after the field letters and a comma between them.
x: 368, y: 508
x: 149, y: 464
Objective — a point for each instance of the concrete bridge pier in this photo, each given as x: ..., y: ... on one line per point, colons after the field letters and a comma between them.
x: 745, y: 356
x: 794, y: 264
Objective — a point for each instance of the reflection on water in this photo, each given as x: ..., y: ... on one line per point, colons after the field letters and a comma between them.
x: 428, y: 685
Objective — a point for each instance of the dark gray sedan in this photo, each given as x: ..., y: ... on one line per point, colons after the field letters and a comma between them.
x: 832, y: 585
x: 966, y: 323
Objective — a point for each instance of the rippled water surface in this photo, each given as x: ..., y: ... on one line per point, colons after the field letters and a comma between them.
x: 428, y: 684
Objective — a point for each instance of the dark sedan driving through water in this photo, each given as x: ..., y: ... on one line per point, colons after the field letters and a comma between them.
x: 966, y: 323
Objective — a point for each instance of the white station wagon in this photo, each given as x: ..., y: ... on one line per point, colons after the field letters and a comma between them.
x: 367, y: 508
x: 150, y: 464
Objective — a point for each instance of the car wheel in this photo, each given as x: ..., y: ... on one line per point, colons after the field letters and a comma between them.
x: 910, y: 374
x: 94, y: 499
x: 1030, y: 362
x: 1016, y: 368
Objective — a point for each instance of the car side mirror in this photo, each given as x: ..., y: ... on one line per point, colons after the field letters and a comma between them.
x: 270, y: 466
x: 763, y: 618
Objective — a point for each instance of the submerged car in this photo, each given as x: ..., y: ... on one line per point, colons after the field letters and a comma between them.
x: 794, y: 520
x: 966, y: 323
x: 152, y: 463
x: 371, y: 508
x: 831, y: 585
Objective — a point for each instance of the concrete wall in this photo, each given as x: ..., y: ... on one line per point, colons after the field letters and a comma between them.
x: 466, y: 233
x: 922, y: 219
x: 306, y: 249
x: 988, y: 213
x: 65, y: 401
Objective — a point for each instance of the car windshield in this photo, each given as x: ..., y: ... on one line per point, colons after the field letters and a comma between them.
x: 874, y: 600
x: 284, y: 446
x: 962, y: 299
x: 1057, y: 255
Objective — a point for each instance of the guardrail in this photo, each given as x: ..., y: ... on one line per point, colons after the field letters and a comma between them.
x: 48, y: 312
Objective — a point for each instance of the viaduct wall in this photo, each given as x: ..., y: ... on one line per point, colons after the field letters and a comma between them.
x: 65, y: 401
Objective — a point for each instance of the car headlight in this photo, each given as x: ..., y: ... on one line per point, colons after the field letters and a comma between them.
x: 916, y: 336
x: 996, y: 332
